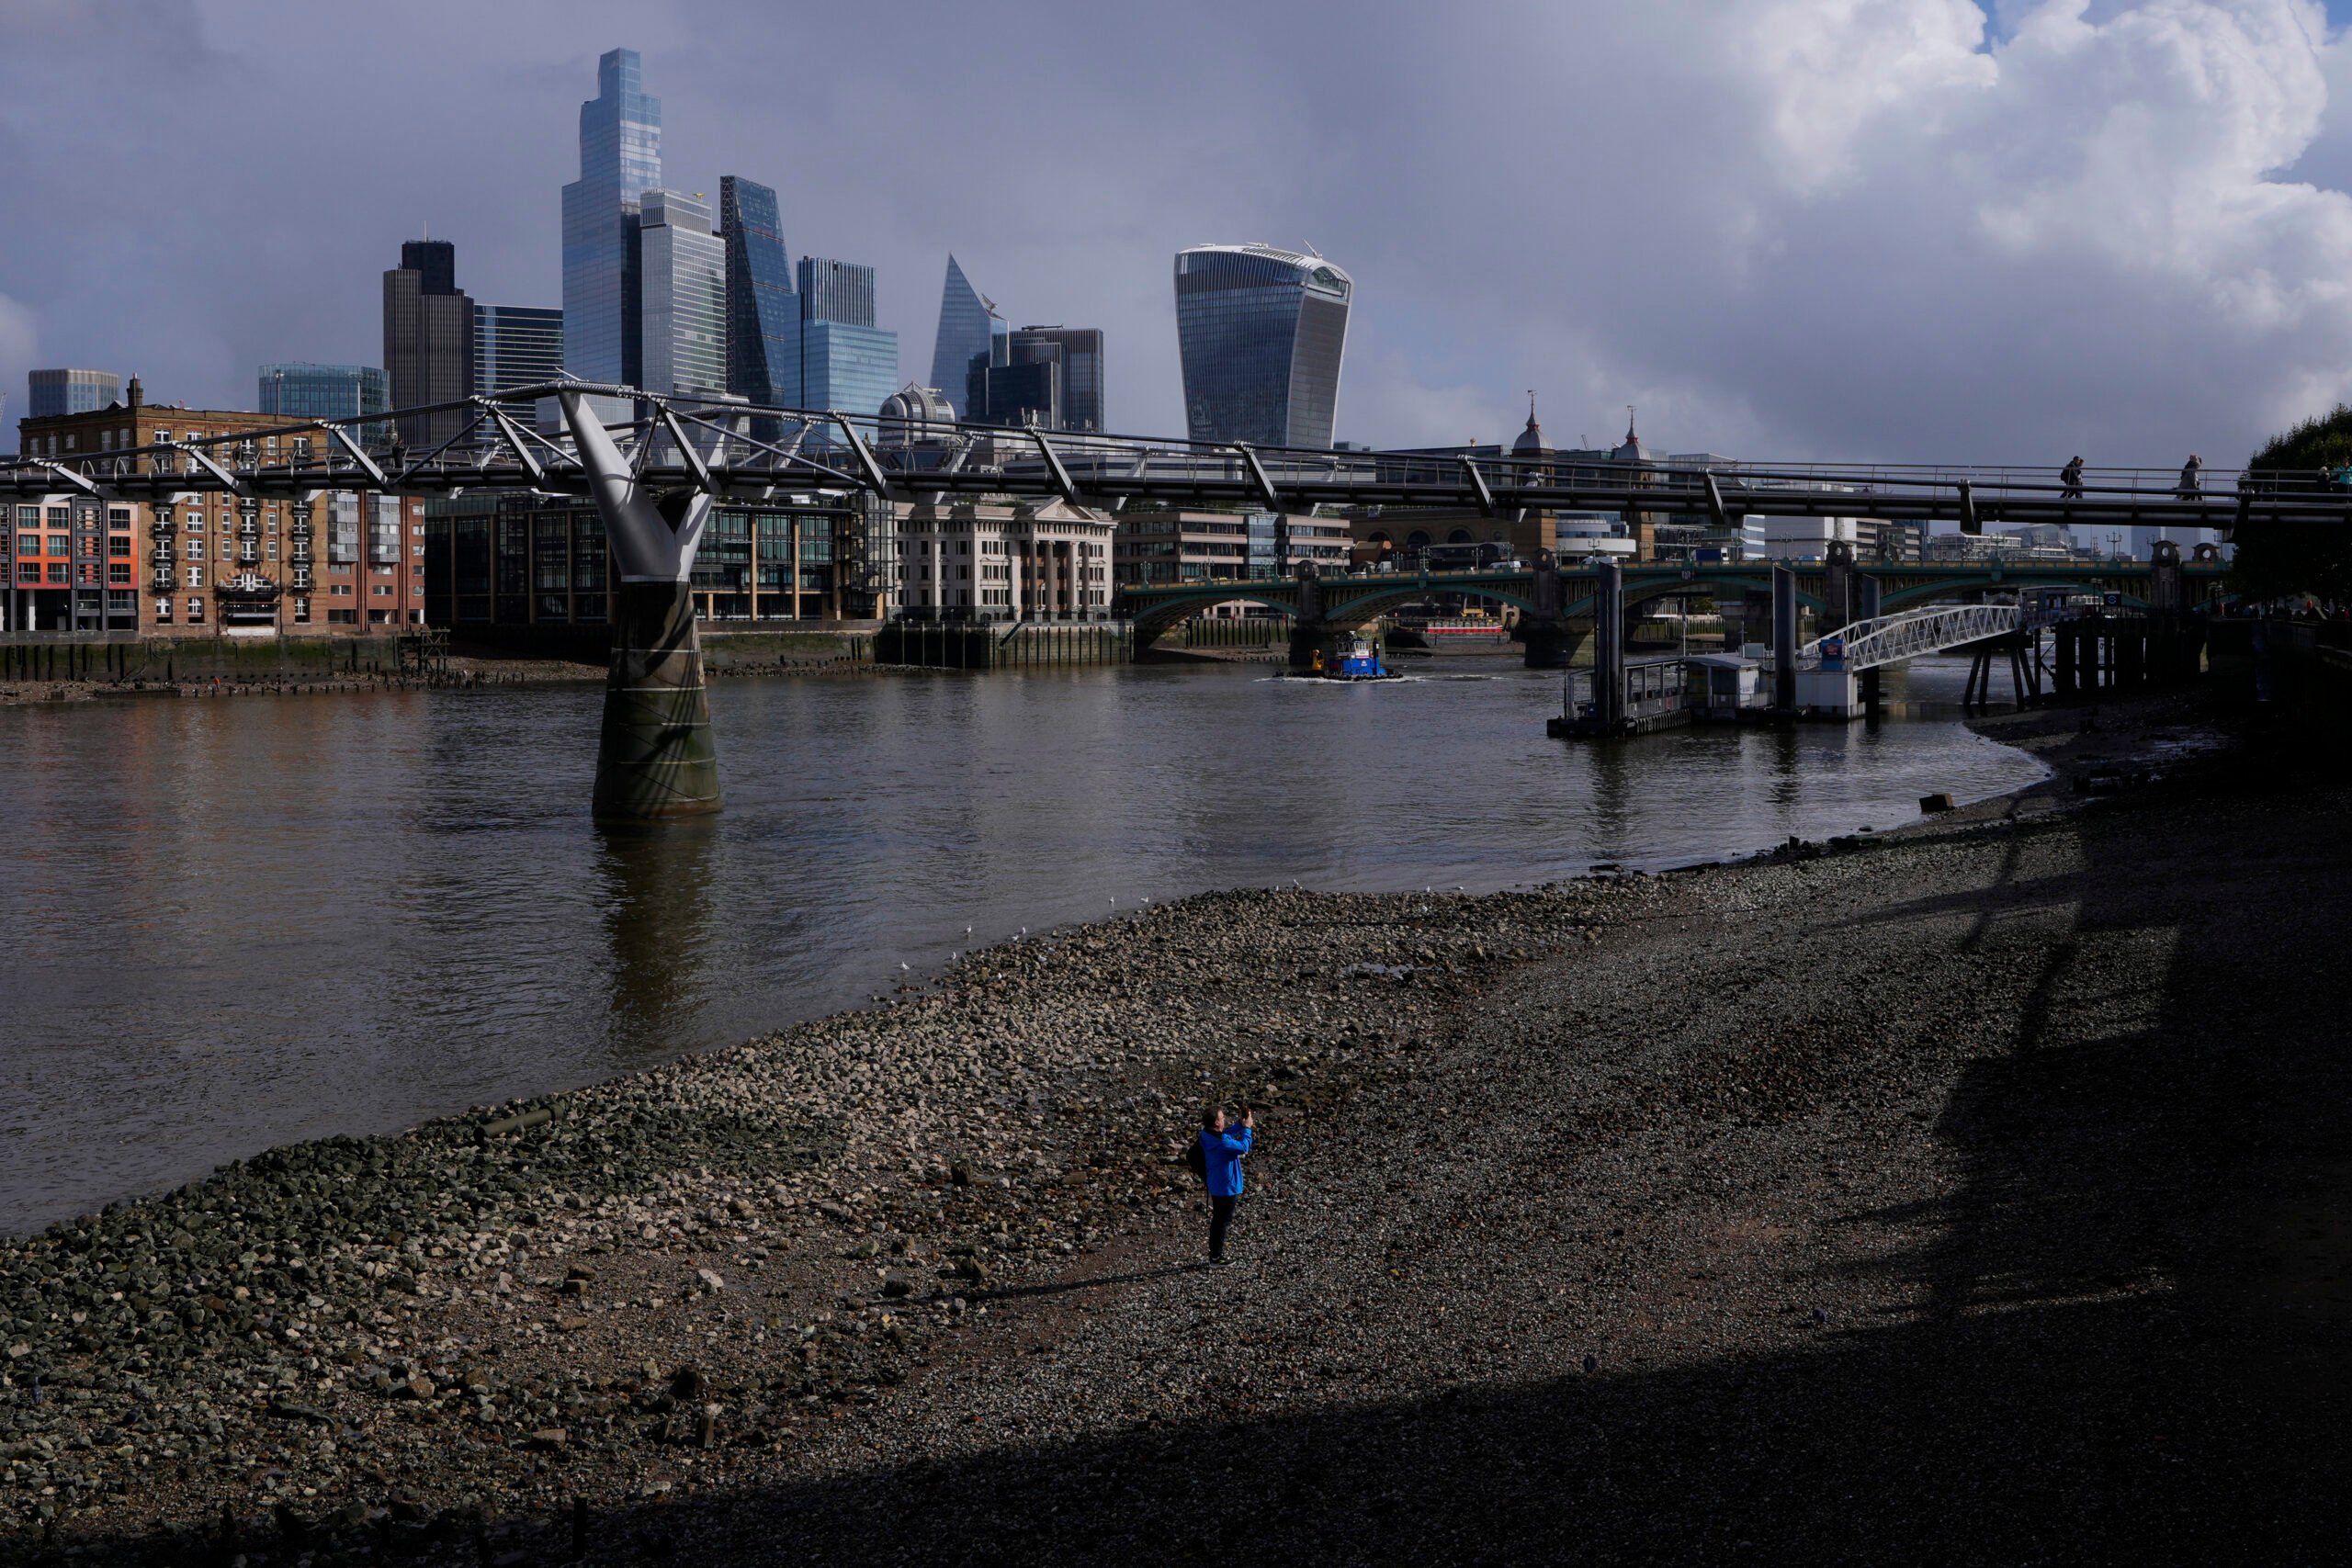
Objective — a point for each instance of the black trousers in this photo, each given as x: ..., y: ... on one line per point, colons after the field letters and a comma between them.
x: 1220, y: 1216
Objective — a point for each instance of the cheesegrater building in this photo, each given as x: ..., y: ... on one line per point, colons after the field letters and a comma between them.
x: 1261, y: 333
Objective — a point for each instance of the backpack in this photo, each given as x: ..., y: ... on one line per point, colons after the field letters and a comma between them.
x: 1196, y: 1158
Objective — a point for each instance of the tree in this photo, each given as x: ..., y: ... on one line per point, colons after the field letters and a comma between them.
x: 2278, y: 559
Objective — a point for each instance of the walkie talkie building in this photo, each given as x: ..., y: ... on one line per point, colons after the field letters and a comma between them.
x: 1261, y: 333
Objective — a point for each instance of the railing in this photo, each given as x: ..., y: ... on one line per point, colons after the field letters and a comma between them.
x: 1887, y: 639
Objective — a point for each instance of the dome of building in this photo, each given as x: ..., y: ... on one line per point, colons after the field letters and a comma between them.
x: 915, y: 414
x: 1530, y: 442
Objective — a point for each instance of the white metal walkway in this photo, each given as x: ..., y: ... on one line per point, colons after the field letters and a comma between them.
x: 1887, y: 639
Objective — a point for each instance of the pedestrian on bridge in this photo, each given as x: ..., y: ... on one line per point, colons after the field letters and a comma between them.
x: 2071, y: 476
x: 2191, y: 489
x: 1220, y: 1167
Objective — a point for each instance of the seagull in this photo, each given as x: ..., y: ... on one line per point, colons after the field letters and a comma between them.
x: 902, y: 968
x: 967, y: 930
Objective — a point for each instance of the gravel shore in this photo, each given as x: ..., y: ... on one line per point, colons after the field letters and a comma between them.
x: 1971, y: 1194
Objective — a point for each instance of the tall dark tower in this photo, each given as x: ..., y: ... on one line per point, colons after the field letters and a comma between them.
x: 428, y: 341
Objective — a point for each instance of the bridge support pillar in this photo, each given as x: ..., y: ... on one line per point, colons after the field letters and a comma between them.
x: 655, y: 758
x: 1784, y: 638
x: 1837, y: 587
x: 1547, y: 644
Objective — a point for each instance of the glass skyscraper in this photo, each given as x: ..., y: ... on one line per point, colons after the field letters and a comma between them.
x: 967, y: 325
x: 836, y: 291
x: 1261, y: 333
x: 303, y: 391
x: 684, y: 293
x: 516, y: 345
x: 620, y: 159
x: 763, y: 312
x: 55, y: 392
x: 847, y: 368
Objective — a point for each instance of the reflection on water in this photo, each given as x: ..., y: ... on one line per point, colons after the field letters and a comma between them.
x: 236, y: 922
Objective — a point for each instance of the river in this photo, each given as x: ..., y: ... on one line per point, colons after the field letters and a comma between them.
x: 233, y: 923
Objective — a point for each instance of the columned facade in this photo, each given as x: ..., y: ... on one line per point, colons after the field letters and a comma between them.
x: 991, y: 562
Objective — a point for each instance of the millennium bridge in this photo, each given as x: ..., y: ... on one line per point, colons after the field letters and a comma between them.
x: 655, y: 476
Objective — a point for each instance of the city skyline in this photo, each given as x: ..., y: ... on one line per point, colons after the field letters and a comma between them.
x: 1810, y: 276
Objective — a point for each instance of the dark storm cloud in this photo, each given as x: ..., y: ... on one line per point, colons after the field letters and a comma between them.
x: 1865, y: 228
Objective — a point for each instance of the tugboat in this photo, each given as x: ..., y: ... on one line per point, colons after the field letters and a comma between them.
x: 1360, y: 661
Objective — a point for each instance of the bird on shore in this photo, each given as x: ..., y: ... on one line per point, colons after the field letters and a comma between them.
x: 903, y: 969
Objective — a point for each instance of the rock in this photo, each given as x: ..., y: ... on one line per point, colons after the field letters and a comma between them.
x: 710, y: 1279
x: 547, y: 1439
x: 1931, y: 803
x: 417, y: 1387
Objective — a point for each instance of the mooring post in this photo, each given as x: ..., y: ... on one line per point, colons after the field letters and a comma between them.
x: 1609, y: 647
x: 1868, y: 591
x: 655, y: 757
x: 1784, y: 638
x: 2164, y: 606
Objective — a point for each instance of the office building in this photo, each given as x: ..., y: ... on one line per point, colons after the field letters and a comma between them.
x: 205, y: 565
x: 620, y: 159
x: 1077, y: 353
x: 428, y: 341
x: 762, y: 310
x: 683, y: 296
x: 1261, y: 333
x: 968, y: 326
x: 52, y: 393
x: 516, y: 345
x: 963, y: 560
x: 836, y: 291
x: 299, y: 390
x: 536, y: 567
x: 846, y: 367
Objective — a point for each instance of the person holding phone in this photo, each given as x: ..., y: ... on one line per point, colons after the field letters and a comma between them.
x: 1221, y: 1152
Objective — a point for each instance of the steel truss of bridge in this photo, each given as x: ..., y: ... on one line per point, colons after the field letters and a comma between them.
x: 811, y: 459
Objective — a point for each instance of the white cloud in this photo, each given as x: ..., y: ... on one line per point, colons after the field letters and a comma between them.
x: 1853, y: 228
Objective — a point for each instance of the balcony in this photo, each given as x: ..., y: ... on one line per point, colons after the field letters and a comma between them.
x: 302, y: 577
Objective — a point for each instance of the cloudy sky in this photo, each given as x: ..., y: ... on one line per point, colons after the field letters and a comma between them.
x: 1867, y: 228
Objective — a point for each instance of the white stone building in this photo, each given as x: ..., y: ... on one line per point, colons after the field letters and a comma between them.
x: 1004, y: 562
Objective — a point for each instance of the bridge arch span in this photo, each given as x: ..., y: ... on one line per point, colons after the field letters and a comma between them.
x: 1921, y: 593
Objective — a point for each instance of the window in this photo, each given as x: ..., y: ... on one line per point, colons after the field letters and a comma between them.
x: 196, y: 548
x: 302, y: 609
x: 196, y: 576
x: 380, y: 590
x: 59, y: 516
x: 163, y: 612
x: 118, y: 545
x: 29, y: 517
x: 118, y: 573
x: 195, y: 611
x: 27, y: 571
x: 57, y: 571
x: 117, y: 517
x: 342, y: 617
x: 29, y: 544
x: 57, y: 543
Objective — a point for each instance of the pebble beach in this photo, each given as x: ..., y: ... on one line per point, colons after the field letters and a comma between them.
x: 1968, y: 1193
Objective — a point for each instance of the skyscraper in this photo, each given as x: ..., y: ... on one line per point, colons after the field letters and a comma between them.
x: 683, y: 290
x: 763, y: 312
x: 1261, y: 333
x: 966, y: 323
x: 428, y: 340
x: 516, y: 345
x: 845, y: 363
x: 55, y: 392
x: 1078, y: 350
x: 836, y: 291
x: 620, y: 159
x: 299, y: 390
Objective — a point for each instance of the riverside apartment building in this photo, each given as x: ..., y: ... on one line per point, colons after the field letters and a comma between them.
x: 342, y: 563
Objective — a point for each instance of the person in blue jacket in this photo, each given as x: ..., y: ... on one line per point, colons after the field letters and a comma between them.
x: 1222, y: 1151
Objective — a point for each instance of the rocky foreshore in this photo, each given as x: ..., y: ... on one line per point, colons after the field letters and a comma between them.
x: 1949, y: 1197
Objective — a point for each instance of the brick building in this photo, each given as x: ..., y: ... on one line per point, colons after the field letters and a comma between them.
x: 205, y: 565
